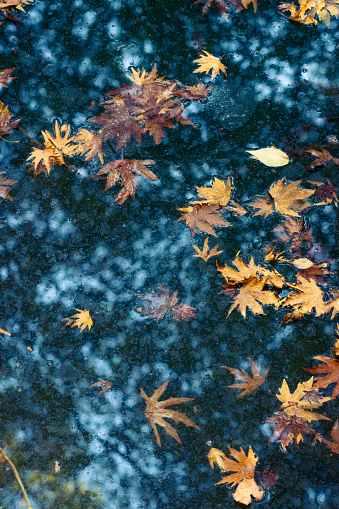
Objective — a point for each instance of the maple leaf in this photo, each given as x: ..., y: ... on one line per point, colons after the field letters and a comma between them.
x: 5, y: 184
x: 162, y: 303
x: 61, y: 144
x: 156, y: 411
x: 6, y: 124
x: 219, y: 193
x: 5, y: 77
x: 124, y: 170
x: 44, y: 159
x: 207, y: 62
x: 248, y: 384
x: 334, y: 445
x: 105, y: 384
x: 330, y: 369
x: 223, y: 6
x: 287, y: 197
x: 306, y: 11
x: 264, y: 206
x: 183, y: 312
x: 308, y: 297
x: 326, y: 192
x: 147, y: 105
x: 89, y: 143
x: 80, y: 320
x: 324, y: 157
x: 14, y: 4
x: 204, y: 254
x: 203, y: 216
x: 252, y: 295
x: 235, y: 277
x: 302, y: 401
x: 294, y: 231
x: 246, y: 3
x: 243, y: 467
x: 288, y: 428
x: 271, y: 256
x: 270, y: 156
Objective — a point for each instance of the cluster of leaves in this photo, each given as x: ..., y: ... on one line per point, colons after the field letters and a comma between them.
x: 148, y: 105
x: 307, y: 12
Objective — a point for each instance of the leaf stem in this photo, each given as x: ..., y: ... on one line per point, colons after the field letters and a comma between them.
x: 16, y: 475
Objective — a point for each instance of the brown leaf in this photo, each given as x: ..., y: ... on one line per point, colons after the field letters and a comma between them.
x: 294, y: 231
x: 124, y: 170
x: 183, y: 312
x: 204, y: 217
x: 159, y: 304
x: 334, y: 445
x: 326, y: 192
x: 223, y: 6
x: 5, y: 77
x: 156, y: 411
x: 5, y: 184
x: 248, y: 384
x: 105, y: 384
x: 330, y: 369
x: 243, y: 467
x: 6, y: 123
x: 204, y: 254
x: 288, y: 428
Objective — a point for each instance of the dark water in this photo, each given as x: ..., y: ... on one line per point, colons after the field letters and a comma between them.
x: 66, y: 244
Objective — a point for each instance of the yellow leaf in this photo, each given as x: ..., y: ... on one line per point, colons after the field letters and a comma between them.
x: 208, y: 62
x: 270, y: 156
x: 302, y: 263
x: 204, y: 254
x: 80, y: 320
x: 5, y: 332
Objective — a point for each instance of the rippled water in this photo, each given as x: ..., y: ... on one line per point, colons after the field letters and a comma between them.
x: 66, y: 244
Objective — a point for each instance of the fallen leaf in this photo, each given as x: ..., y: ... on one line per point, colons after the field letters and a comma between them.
x: 288, y: 198
x: 330, y: 369
x: 246, y: 3
x: 6, y: 123
x: 125, y: 171
x: 247, y: 384
x: 204, y: 254
x: 105, y: 384
x: 219, y: 192
x: 252, y: 295
x: 243, y: 467
x: 5, y: 184
x: 160, y: 304
x: 223, y: 6
x: 270, y: 156
x: 5, y: 77
x: 203, y: 216
x: 156, y: 411
x: 306, y: 11
x: 5, y: 332
x: 334, y: 445
x: 80, y: 320
x: 57, y: 466
x: 325, y: 191
x: 324, y: 157
x: 89, y: 143
x: 208, y: 62
x: 307, y: 297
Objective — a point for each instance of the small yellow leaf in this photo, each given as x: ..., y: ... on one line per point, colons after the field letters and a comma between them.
x: 208, y: 62
x: 303, y: 263
x: 270, y: 156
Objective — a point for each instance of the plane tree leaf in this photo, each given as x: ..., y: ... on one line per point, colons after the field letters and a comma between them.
x: 157, y: 411
x: 306, y: 10
x: 243, y: 468
x: 203, y: 216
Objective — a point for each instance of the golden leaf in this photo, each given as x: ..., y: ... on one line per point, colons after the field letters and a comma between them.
x: 207, y: 62
x: 204, y: 254
x: 80, y: 320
